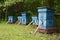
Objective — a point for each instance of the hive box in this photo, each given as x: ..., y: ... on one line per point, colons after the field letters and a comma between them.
x: 11, y: 19
x: 25, y: 18
x: 19, y: 19
x: 35, y: 20
x: 46, y: 15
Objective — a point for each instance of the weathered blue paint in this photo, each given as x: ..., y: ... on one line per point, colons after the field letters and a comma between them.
x: 47, y: 16
x: 25, y: 18
x: 11, y: 19
x: 20, y: 19
x: 35, y: 20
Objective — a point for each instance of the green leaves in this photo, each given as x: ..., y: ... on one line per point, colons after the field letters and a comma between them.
x: 29, y: 4
x: 57, y: 6
x: 10, y: 2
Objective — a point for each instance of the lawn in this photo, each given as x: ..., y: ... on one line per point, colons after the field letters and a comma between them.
x: 21, y: 32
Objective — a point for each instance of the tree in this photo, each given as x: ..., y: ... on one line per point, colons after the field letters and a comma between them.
x: 28, y: 5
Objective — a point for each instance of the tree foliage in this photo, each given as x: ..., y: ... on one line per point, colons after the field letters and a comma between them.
x: 15, y: 7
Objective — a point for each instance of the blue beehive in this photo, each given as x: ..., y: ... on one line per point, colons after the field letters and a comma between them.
x: 35, y: 20
x: 47, y: 16
x: 25, y: 18
x: 19, y: 19
x: 45, y: 13
x: 11, y: 19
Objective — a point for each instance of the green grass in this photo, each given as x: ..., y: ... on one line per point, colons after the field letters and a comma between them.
x: 20, y: 32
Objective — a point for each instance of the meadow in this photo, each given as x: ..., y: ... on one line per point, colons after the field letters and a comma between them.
x: 21, y: 32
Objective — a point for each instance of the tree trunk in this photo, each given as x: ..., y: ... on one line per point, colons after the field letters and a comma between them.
x: 6, y: 15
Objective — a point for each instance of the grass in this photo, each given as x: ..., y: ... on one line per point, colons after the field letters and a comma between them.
x: 20, y: 32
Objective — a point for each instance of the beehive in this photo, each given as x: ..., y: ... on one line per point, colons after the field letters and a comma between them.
x: 11, y: 19
x: 47, y: 16
x: 35, y: 20
x: 25, y: 18
x: 19, y: 19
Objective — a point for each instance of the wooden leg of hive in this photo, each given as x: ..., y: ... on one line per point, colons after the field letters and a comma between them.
x: 37, y: 30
